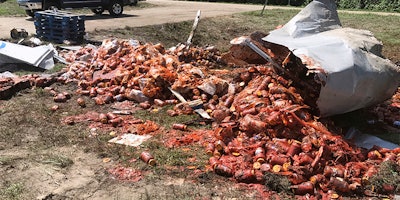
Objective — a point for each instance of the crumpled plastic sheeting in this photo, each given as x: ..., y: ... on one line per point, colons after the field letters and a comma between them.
x: 347, y: 62
x: 40, y: 56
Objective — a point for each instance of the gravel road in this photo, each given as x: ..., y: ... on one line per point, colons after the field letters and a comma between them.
x: 166, y: 11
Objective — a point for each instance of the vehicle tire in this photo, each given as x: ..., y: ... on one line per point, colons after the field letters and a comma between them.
x: 30, y: 13
x: 51, y: 5
x: 133, y: 3
x: 116, y: 8
x: 97, y: 11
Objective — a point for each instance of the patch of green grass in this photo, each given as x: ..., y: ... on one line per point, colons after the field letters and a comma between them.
x: 162, y: 154
x: 382, y: 26
x: 11, y: 8
x: 5, y: 160
x: 57, y: 68
x: 161, y: 117
x: 9, y: 160
x: 173, y: 157
x: 389, y: 174
x: 56, y: 160
x: 30, y: 111
x: 39, y: 92
x: 12, y: 191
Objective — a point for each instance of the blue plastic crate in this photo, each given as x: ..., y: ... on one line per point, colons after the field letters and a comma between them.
x: 58, y: 26
x: 62, y: 38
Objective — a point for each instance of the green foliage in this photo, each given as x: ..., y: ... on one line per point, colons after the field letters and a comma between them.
x: 388, y: 174
x: 11, y: 8
x: 56, y: 160
x: 12, y: 192
x: 269, y: 2
x: 373, y: 5
x: 57, y: 68
x: 160, y: 116
x: 384, y: 5
x: 172, y: 157
x: 349, y: 4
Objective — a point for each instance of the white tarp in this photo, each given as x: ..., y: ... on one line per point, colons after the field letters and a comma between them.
x: 346, y: 61
x: 368, y: 141
x: 40, y: 56
x: 130, y: 139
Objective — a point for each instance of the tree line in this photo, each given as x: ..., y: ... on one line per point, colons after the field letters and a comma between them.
x: 373, y: 5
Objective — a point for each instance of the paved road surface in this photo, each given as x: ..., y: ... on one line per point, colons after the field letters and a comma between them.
x: 166, y: 11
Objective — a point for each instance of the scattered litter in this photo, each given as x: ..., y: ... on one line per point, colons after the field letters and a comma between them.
x: 146, y: 157
x: 35, y: 41
x: 81, y: 102
x: 126, y: 173
x: 7, y: 74
x: 137, y: 95
x: 130, y: 139
x: 18, y: 33
x: 147, y: 127
x: 182, y: 127
x: 193, y: 104
x: 122, y: 112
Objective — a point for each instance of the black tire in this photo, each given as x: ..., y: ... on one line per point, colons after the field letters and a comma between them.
x: 51, y: 5
x: 30, y: 13
x: 133, y: 3
x: 14, y: 33
x: 97, y: 11
x: 116, y: 8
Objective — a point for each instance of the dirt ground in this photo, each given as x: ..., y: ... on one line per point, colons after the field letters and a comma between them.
x: 42, y: 158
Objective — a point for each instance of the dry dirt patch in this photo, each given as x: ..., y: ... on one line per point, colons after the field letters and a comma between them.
x: 41, y: 158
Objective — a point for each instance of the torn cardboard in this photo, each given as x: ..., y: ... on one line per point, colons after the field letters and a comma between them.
x: 130, y: 139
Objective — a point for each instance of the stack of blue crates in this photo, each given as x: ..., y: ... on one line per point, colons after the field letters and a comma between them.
x: 58, y: 26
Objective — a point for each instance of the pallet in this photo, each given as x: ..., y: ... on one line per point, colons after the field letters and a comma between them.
x: 57, y: 15
x: 62, y: 39
x: 59, y: 26
x: 62, y: 24
x: 59, y: 29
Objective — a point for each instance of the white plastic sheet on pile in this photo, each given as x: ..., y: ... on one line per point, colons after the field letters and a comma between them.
x: 40, y: 56
x: 368, y: 141
x: 347, y: 62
